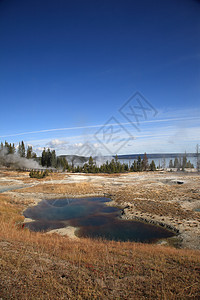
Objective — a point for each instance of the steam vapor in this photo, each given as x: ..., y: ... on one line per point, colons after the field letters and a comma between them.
x: 16, y: 161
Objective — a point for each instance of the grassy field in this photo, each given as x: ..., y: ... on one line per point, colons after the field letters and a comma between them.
x: 40, y: 266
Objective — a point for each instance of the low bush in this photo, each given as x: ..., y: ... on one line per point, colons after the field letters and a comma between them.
x: 38, y: 174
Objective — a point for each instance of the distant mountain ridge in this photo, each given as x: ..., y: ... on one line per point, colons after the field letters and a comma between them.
x: 156, y: 155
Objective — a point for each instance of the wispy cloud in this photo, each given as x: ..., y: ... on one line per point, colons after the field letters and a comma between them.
x: 160, y: 139
x: 98, y: 126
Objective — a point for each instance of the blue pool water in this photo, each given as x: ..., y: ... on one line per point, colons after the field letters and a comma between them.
x: 93, y: 218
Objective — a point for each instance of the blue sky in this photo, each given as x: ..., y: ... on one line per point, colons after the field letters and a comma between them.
x: 72, y: 65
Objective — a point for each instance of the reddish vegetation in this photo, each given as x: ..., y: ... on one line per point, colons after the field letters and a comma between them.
x: 39, y: 266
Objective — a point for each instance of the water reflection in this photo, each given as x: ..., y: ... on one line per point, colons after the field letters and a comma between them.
x: 92, y: 218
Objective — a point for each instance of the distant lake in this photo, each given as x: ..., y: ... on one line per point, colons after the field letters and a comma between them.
x: 93, y: 219
x: 159, y: 160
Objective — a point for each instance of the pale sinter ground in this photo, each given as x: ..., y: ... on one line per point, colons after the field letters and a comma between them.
x: 164, y: 198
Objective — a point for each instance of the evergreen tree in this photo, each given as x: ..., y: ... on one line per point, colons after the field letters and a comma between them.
x: 189, y: 164
x: 179, y: 162
x: 6, y: 146
x: 152, y: 166
x: 111, y: 167
x: 176, y: 163
x: 126, y: 168
x: 122, y: 169
x: 85, y: 168
x: 117, y: 164
x: 72, y: 161
x: 29, y: 152
x: 171, y: 164
x: 20, y: 149
x: 139, y: 164
x: 184, y: 162
x: 116, y: 159
x: 90, y: 164
x: 23, y: 150
x: 53, y: 159
x: 65, y: 165
x: 134, y: 166
x: 11, y: 148
x: 44, y: 158
x: 48, y: 158
x: 34, y: 155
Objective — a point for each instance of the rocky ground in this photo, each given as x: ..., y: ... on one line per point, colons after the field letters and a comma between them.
x: 163, y: 198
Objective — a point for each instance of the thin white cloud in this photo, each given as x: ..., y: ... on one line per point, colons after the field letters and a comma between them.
x: 100, y: 125
x: 165, y: 135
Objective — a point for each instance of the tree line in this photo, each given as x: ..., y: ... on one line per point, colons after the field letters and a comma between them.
x: 20, y: 150
x: 49, y: 159
x: 180, y: 163
x: 115, y: 166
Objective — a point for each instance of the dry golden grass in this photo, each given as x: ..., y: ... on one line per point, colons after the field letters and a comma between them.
x: 9, y: 210
x: 69, y: 188
x: 39, y: 266
x: 24, y: 176
x: 51, y: 176
x: 164, y: 209
x: 156, y: 200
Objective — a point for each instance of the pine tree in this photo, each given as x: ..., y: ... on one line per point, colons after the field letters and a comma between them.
x: 134, y: 166
x: 139, y: 164
x: 19, y: 149
x: 176, y: 163
x: 53, y: 159
x: 91, y: 164
x: 48, y: 158
x: 184, y: 162
x: 64, y: 164
x: 6, y: 146
x: 29, y: 152
x: 122, y: 168
x: 152, y: 166
x: 126, y: 168
x: 34, y: 155
x: 44, y: 158
x: 171, y: 164
x: 111, y: 167
x: 85, y: 168
x: 189, y: 165
x: 11, y: 149
x: 23, y: 152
